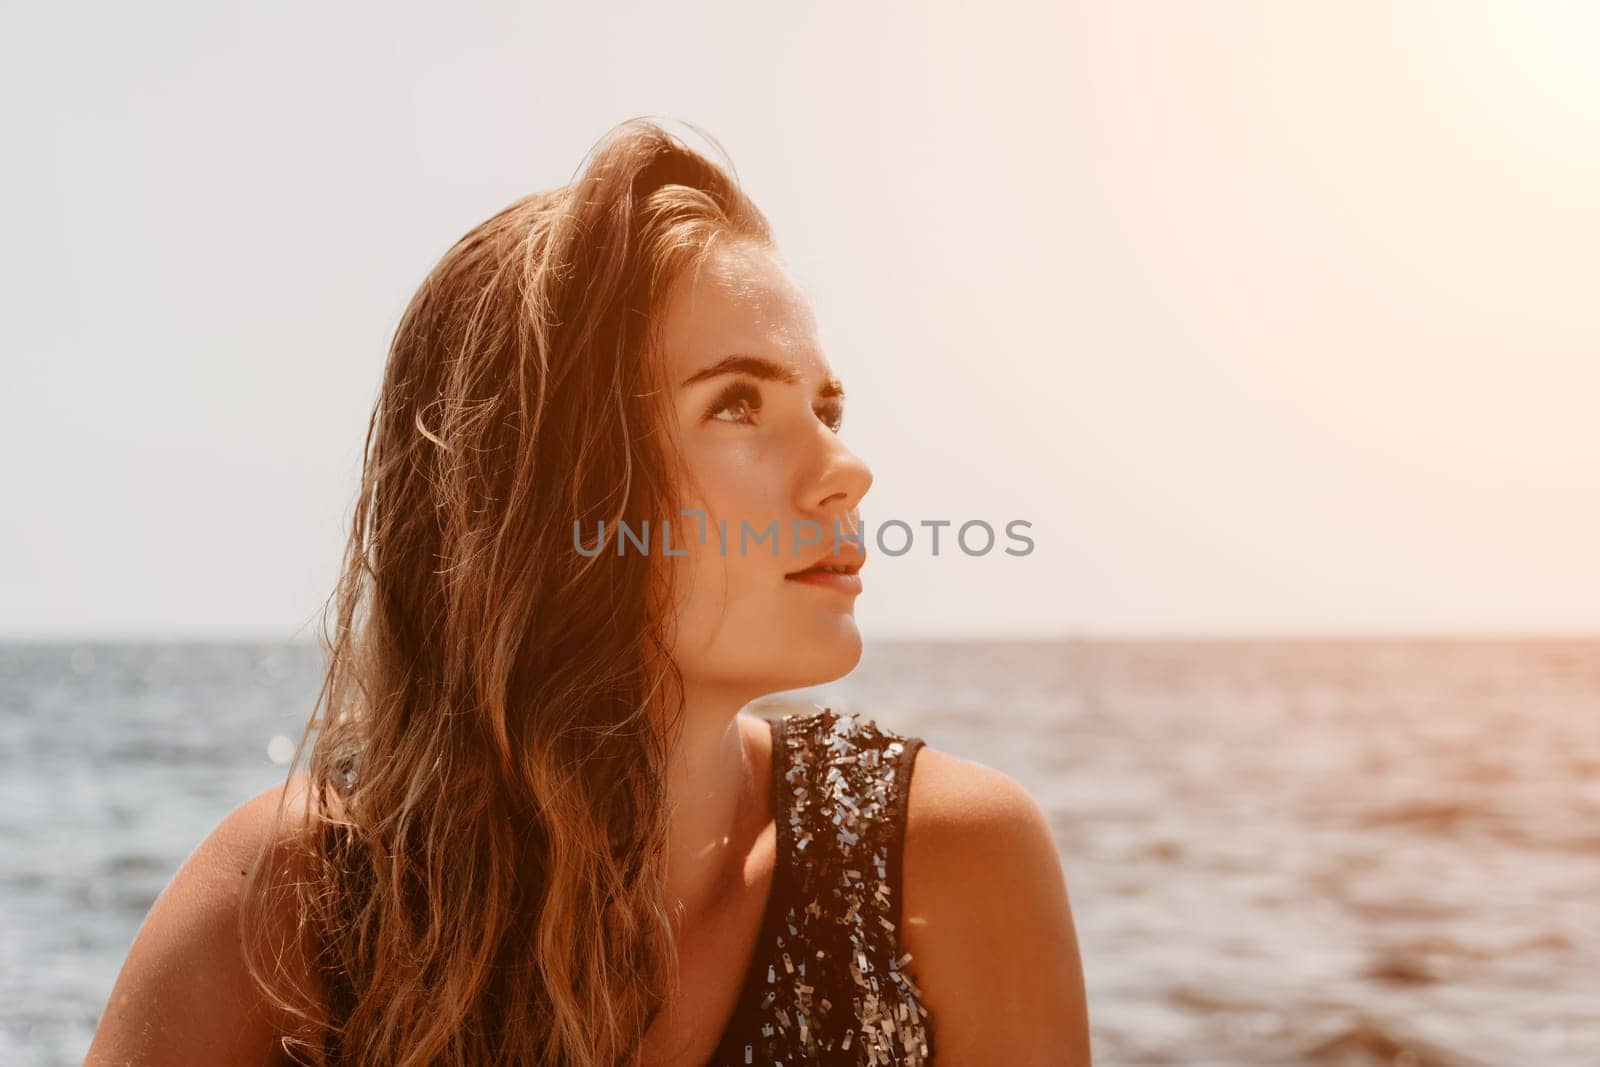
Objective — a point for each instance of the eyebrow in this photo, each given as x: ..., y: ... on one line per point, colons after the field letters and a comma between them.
x: 764, y: 369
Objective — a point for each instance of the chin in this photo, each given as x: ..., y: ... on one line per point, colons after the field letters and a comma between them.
x: 773, y: 655
x: 830, y: 653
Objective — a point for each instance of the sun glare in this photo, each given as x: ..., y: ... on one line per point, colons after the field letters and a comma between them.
x: 1540, y: 67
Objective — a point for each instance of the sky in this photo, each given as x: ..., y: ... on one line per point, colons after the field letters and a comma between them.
x: 1269, y: 319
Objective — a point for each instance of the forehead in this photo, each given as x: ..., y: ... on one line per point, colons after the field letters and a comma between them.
x: 740, y: 299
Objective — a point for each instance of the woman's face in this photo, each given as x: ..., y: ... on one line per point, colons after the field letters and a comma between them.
x: 757, y: 410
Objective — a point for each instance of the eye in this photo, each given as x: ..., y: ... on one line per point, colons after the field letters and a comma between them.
x: 738, y: 397
x: 832, y: 415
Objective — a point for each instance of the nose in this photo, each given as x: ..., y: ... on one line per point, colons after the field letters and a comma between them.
x: 844, y: 479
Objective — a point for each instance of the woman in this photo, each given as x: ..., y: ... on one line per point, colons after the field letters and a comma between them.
x: 604, y: 507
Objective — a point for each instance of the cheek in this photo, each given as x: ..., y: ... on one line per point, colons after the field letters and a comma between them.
x: 735, y: 482
x: 726, y: 596
x: 735, y: 614
x: 715, y: 580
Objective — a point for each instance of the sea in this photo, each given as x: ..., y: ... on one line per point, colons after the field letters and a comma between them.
x: 1343, y: 852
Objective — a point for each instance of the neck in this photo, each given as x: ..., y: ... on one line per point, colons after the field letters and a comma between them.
x: 714, y: 799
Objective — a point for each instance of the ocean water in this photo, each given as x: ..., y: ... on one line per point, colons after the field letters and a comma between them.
x: 1341, y: 853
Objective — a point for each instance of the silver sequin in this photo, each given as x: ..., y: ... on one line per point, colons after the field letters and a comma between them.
x: 842, y: 782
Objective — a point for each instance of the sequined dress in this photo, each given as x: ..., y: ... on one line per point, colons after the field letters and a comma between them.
x: 828, y: 982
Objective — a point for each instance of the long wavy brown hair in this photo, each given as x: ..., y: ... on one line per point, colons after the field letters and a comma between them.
x: 482, y: 875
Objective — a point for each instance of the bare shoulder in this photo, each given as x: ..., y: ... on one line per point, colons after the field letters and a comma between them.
x: 988, y: 921
x: 184, y: 994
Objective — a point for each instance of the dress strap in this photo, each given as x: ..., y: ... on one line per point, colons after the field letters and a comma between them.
x: 850, y: 779
x: 900, y: 791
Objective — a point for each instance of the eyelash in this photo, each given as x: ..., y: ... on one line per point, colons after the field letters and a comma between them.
x: 831, y: 413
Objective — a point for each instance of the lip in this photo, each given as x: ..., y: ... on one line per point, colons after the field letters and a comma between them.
x: 842, y: 583
x: 849, y: 556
